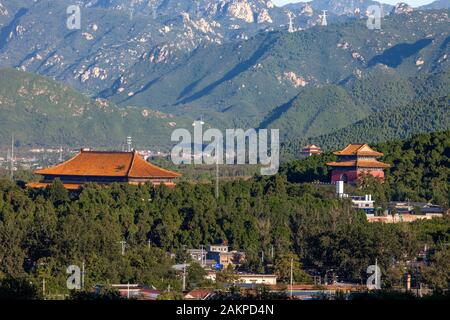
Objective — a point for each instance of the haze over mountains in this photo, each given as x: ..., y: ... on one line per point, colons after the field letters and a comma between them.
x: 232, y: 61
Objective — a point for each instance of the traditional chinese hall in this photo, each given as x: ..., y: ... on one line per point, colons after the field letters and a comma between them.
x: 354, y: 161
x: 105, y: 167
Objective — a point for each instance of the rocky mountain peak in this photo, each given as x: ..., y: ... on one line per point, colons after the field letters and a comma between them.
x: 402, y: 8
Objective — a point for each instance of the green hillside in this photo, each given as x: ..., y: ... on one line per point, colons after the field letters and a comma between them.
x: 318, y: 111
x: 401, y: 123
x: 421, y: 116
x: 41, y: 112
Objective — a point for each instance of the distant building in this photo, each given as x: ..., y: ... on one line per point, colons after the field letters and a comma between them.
x: 365, y: 203
x: 218, y: 248
x: 268, y: 279
x: 105, y: 167
x: 397, y: 218
x: 198, y: 294
x: 406, y: 211
x: 197, y: 254
x: 415, y: 207
x: 227, y: 258
x: 311, y: 150
x: 354, y: 161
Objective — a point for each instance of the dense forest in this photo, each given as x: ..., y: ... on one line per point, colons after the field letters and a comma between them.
x: 42, y: 232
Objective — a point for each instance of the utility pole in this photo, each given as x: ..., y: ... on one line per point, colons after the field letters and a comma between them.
x: 262, y: 257
x: 291, y: 26
x: 324, y: 18
x: 128, y: 290
x: 201, y: 246
x: 418, y: 284
x: 149, y: 243
x: 43, y: 287
x: 292, y: 274
x: 271, y: 252
x: 82, y: 276
x: 123, y: 243
x: 376, y: 274
x: 184, y: 276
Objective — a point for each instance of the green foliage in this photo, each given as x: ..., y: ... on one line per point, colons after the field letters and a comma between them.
x: 104, y: 294
x: 437, y: 274
x: 310, y: 112
x: 283, y: 269
x: 396, y: 123
x: 18, y: 288
x: 170, y: 295
x: 195, y: 275
x: 419, y: 168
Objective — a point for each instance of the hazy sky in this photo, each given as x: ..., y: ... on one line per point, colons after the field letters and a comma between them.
x: 413, y: 3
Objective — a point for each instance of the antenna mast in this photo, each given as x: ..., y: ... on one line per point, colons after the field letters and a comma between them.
x: 324, y: 18
x: 291, y: 26
x: 129, y: 143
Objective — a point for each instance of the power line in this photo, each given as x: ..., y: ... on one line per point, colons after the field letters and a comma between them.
x: 123, y: 243
x: 184, y: 276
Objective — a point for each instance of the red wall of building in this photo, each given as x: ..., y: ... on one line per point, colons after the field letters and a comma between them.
x: 352, y: 175
x: 377, y: 174
x: 336, y: 175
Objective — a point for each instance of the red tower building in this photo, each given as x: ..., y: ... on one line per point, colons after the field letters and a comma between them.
x: 311, y: 150
x: 355, y: 160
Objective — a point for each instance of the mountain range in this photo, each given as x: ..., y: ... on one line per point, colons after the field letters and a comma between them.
x: 235, y: 63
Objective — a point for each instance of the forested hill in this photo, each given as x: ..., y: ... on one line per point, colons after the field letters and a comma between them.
x: 44, y: 231
x: 420, y: 167
x: 419, y: 116
x: 42, y: 112
x: 422, y: 116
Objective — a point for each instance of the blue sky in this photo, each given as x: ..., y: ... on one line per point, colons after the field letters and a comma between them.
x: 413, y: 3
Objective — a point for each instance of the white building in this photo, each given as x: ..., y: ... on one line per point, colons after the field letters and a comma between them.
x: 363, y: 202
x: 268, y: 279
